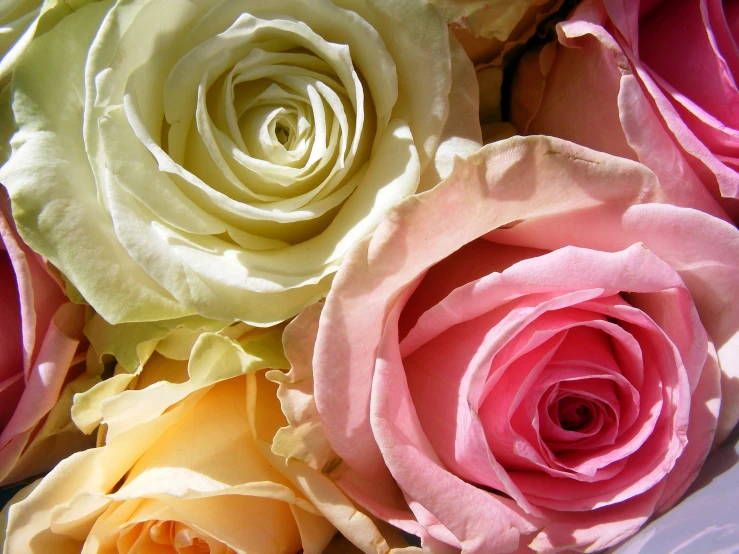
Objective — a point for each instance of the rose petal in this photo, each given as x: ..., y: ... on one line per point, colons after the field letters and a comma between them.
x: 702, y: 74
x: 655, y: 148
x: 596, y: 529
x: 709, y: 167
x: 47, y: 377
x: 11, y: 342
x: 412, y: 463
x: 704, y: 411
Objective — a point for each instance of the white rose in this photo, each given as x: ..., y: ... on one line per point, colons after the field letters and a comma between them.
x: 219, y: 157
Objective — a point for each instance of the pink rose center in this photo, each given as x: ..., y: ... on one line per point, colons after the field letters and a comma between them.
x: 574, y: 413
x: 567, y: 390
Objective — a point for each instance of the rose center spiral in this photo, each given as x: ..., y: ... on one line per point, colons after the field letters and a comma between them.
x: 574, y: 413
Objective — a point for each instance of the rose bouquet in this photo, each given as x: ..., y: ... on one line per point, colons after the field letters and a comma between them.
x: 444, y: 276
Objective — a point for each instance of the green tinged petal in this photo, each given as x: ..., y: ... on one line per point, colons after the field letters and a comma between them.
x: 7, y: 123
x: 131, y: 344
x: 214, y: 358
x: 22, y: 20
x: 177, y: 340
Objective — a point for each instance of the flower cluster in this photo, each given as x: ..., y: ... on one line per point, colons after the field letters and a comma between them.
x: 337, y: 276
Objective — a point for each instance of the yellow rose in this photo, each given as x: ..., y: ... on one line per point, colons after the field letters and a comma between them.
x: 187, y: 466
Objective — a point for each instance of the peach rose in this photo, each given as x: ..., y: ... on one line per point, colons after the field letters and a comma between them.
x: 530, y: 355
x: 188, y: 466
x: 41, y: 332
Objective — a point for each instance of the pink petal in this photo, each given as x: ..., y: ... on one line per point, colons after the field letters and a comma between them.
x: 587, y: 98
x: 625, y: 17
x: 648, y: 445
x: 629, y: 117
x: 656, y: 148
x: 480, y: 521
x: 704, y: 162
x: 39, y: 294
x: 732, y: 19
x: 437, y: 377
x: 599, y: 529
x: 516, y: 447
x: 704, y: 410
x: 677, y: 42
x: 11, y: 390
x: 47, y: 377
x: 602, y: 426
x: 580, y: 102
x: 471, y: 262
x: 718, y: 136
x: 443, y: 539
x: 722, y: 14
x: 11, y: 339
x: 674, y: 313
x: 607, y: 526
x: 630, y: 439
x: 576, y: 361
x: 11, y: 345
x: 563, y: 270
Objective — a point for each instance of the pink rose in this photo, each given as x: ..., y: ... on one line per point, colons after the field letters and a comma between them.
x: 39, y: 340
x: 530, y: 355
x: 653, y: 81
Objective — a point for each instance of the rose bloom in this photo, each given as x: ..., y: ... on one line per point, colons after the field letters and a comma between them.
x: 531, y: 354
x: 219, y: 157
x: 187, y: 466
x: 653, y: 81
x: 40, y: 335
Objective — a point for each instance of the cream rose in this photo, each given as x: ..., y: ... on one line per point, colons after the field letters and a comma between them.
x: 188, y: 464
x: 218, y: 157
